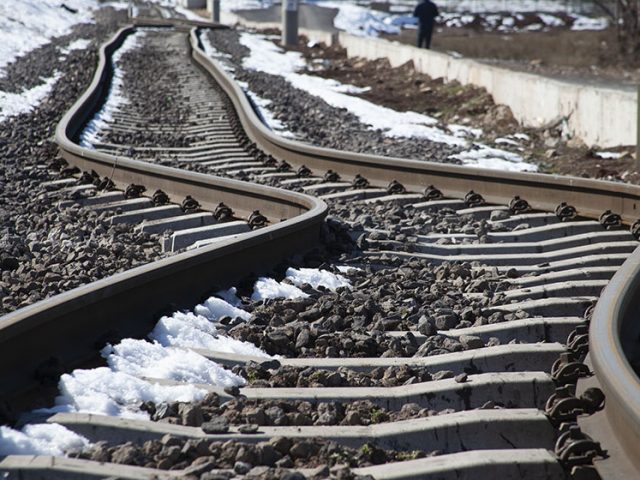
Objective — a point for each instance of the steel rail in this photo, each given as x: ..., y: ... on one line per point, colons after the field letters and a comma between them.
x: 614, y: 342
x: 543, y: 192
x: 68, y: 327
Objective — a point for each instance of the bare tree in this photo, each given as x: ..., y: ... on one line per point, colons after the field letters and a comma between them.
x: 626, y: 17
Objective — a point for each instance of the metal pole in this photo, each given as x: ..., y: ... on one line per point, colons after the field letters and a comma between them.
x: 289, y: 22
x: 213, y: 7
x: 637, y: 163
x: 216, y: 11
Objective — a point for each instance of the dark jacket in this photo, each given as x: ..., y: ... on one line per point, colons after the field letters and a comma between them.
x: 426, y: 12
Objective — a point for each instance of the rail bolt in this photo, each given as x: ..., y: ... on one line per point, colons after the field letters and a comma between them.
x: 432, y: 193
x: 160, y: 198
x: 574, y: 448
x: 610, y: 220
x: 190, y: 205
x: 222, y: 212
x: 257, y: 220
x: 303, y: 172
x: 567, y: 370
x: 395, y: 188
x: 134, y: 191
x: 565, y: 212
x: 359, y: 181
x: 519, y: 205
x: 473, y: 199
x: 331, y: 176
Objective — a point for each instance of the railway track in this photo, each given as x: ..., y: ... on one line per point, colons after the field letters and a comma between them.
x: 461, y: 338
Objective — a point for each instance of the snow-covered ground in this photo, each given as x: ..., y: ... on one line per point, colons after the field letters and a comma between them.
x: 267, y: 57
x: 356, y: 16
x: 28, y: 24
x: 119, y: 388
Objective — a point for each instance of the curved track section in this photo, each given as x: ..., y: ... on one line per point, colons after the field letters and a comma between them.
x: 552, y: 271
x: 66, y: 327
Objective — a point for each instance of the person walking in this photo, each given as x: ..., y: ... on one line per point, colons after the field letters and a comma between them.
x: 426, y: 11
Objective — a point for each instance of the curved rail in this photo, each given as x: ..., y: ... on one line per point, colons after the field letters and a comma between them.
x: 544, y: 192
x: 85, y: 316
x: 614, y: 342
x: 66, y: 327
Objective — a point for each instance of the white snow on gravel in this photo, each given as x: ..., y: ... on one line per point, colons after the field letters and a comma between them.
x: 115, y: 98
x: 230, y: 296
x: 609, y: 155
x: 79, y: 44
x: 482, y: 156
x: 151, y: 360
x: 193, y: 331
x: 267, y: 57
x: 347, y: 268
x: 266, y: 288
x: 102, y: 391
x: 40, y: 439
x: 12, y: 104
x: 215, y: 308
x: 316, y: 278
x: 29, y: 24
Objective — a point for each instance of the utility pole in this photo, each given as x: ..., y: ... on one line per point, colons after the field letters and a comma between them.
x: 213, y: 6
x: 289, y: 22
x: 637, y: 162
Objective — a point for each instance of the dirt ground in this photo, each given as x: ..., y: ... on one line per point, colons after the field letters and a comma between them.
x: 402, y: 88
x: 563, y: 53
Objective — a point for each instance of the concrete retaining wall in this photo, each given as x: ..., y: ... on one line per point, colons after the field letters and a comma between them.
x: 599, y: 116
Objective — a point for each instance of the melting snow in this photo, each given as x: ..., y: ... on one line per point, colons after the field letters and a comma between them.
x: 267, y: 57
x: 316, y: 278
x: 485, y: 157
x: 193, y: 331
x: 266, y: 288
x: 40, y: 439
x: 102, y: 391
x: 28, y: 24
x: 215, y: 308
x: 79, y: 44
x: 151, y: 360
x: 609, y: 155
x: 12, y: 104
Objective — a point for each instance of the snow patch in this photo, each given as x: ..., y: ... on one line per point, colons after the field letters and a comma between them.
x: 266, y: 288
x: 151, y: 360
x: 485, y: 157
x: 40, y: 439
x: 28, y: 24
x: 609, y: 155
x: 79, y: 44
x: 316, y: 278
x: 102, y: 391
x: 12, y: 104
x: 193, y: 331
